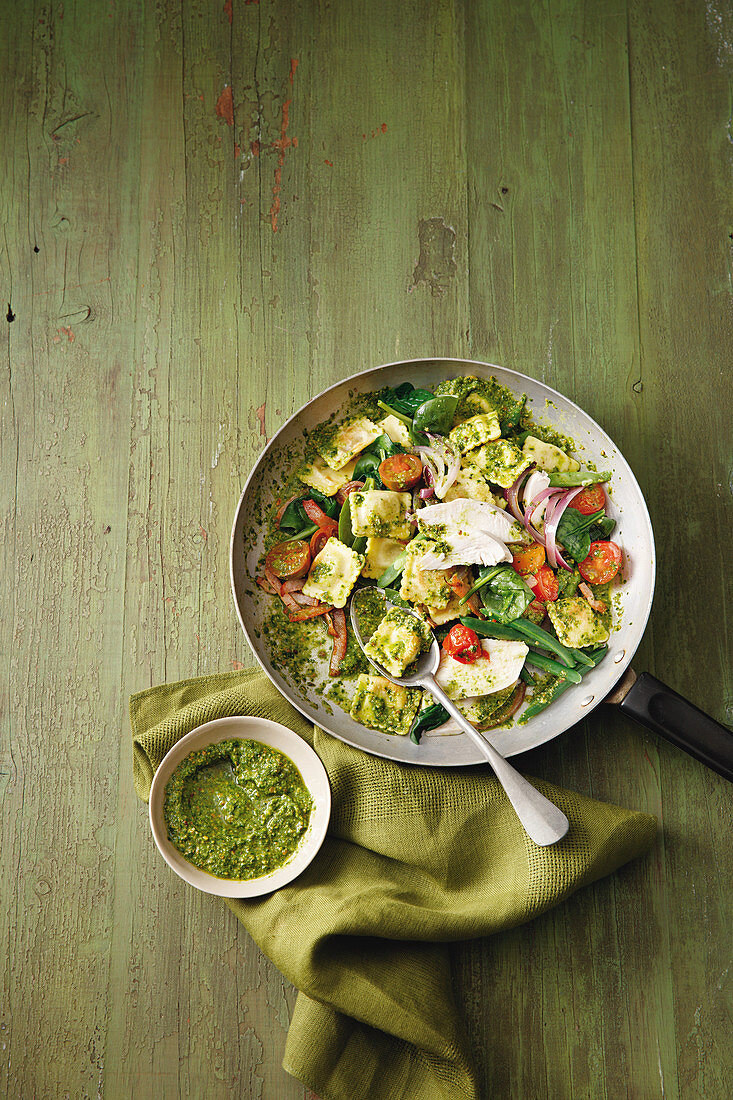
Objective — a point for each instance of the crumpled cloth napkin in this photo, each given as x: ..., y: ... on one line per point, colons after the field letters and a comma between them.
x: 414, y: 857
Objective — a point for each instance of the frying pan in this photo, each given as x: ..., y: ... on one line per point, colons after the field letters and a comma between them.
x: 644, y: 697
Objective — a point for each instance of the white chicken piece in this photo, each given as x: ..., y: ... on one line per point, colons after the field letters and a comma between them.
x: 474, y: 532
x: 483, y: 676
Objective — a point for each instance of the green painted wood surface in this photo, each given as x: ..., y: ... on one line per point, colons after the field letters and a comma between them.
x: 211, y: 211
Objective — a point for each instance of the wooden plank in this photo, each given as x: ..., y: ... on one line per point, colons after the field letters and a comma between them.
x: 553, y: 294
x: 683, y: 174
x: 67, y: 378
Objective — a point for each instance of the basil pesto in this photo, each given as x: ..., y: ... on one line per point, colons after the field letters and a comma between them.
x: 237, y: 809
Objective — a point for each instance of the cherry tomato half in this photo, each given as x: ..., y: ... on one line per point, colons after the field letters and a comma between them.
x: 289, y: 559
x: 602, y: 564
x: 528, y: 559
x: 401, y: 472
x: 463, y: 644
x: 544, y: 584
x: 589, y: 500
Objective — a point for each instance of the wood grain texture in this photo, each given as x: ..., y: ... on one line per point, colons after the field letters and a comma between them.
x: 233, y: 206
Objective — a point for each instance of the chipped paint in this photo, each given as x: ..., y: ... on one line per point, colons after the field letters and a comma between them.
x: 436, y: 264
x: 375, y: 133
x: 255, y: 148
x: 260, y: 414
x: 228, y: 11
x: 225, y: 105
x: 282, y: 144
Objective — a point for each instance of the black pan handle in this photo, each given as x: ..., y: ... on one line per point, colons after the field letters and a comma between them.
x: 659, y: 708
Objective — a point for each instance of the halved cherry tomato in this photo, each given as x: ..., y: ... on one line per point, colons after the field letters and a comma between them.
x: 289, y: 559
x: 528, y: 559
x: 544, y: 584
x: 589, y: 500
x: 401, y: 472
x: 602, y: 564
x: 463, y: 644
x: 319, y: 539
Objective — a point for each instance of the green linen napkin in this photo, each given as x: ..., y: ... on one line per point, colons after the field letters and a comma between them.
x: 414, y: 857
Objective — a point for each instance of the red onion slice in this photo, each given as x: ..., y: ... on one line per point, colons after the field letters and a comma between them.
x: 555, y: 510
x: 512, y: 495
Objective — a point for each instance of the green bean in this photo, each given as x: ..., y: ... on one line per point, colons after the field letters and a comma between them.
x: 595, y: 656
x: 392, y: 572
x: 548, y: 665
x: 581, y: 658
x: 359, y: 544
x: 535, y: 708
x: 541, y: 638
x: 492, y: 630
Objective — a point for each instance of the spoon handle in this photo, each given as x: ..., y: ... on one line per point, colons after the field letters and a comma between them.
x: 542, y: 820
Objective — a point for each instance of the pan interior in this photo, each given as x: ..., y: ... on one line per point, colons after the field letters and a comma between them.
x: 633, y: 533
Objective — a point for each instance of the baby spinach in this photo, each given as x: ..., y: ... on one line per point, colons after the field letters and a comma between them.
x: 573, y: 531
x: 603, y: 529
x: 434, y: 415
x: 405, y: 399
x: 505, y: 595
x: 294, y: 517
x: 370, y: 459
x: 428, y: 719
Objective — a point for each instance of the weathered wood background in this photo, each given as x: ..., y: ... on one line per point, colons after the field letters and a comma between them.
x: 209, y: 212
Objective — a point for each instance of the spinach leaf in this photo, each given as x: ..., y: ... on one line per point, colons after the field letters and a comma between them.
x: 573, y: 531
x: 428, y: 719
x: 294, y: 517
x: 369, y: 460
x: 603, y: 528
x: 405, y: 398
x: 435, y: 415
x: 505, y: 595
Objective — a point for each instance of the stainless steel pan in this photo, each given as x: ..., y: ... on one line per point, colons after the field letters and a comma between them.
x: 643, y: 697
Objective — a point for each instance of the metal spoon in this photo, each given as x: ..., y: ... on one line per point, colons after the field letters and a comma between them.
x: 542, y: 820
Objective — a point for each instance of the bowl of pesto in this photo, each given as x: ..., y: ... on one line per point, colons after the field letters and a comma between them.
x: 239, y: 806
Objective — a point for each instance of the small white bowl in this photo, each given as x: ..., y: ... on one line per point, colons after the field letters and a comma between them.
x: 277, y: 737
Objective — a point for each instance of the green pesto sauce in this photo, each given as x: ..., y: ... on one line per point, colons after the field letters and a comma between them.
x: 372, y: 608
x: 549, y: 435
x: 295, y: 646
x: 237, y: 824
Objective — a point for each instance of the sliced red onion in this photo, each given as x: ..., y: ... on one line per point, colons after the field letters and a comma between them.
x: 425, y: 494
x: 555, y: 510
x: 512, y: 495
x: 546, y: 494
